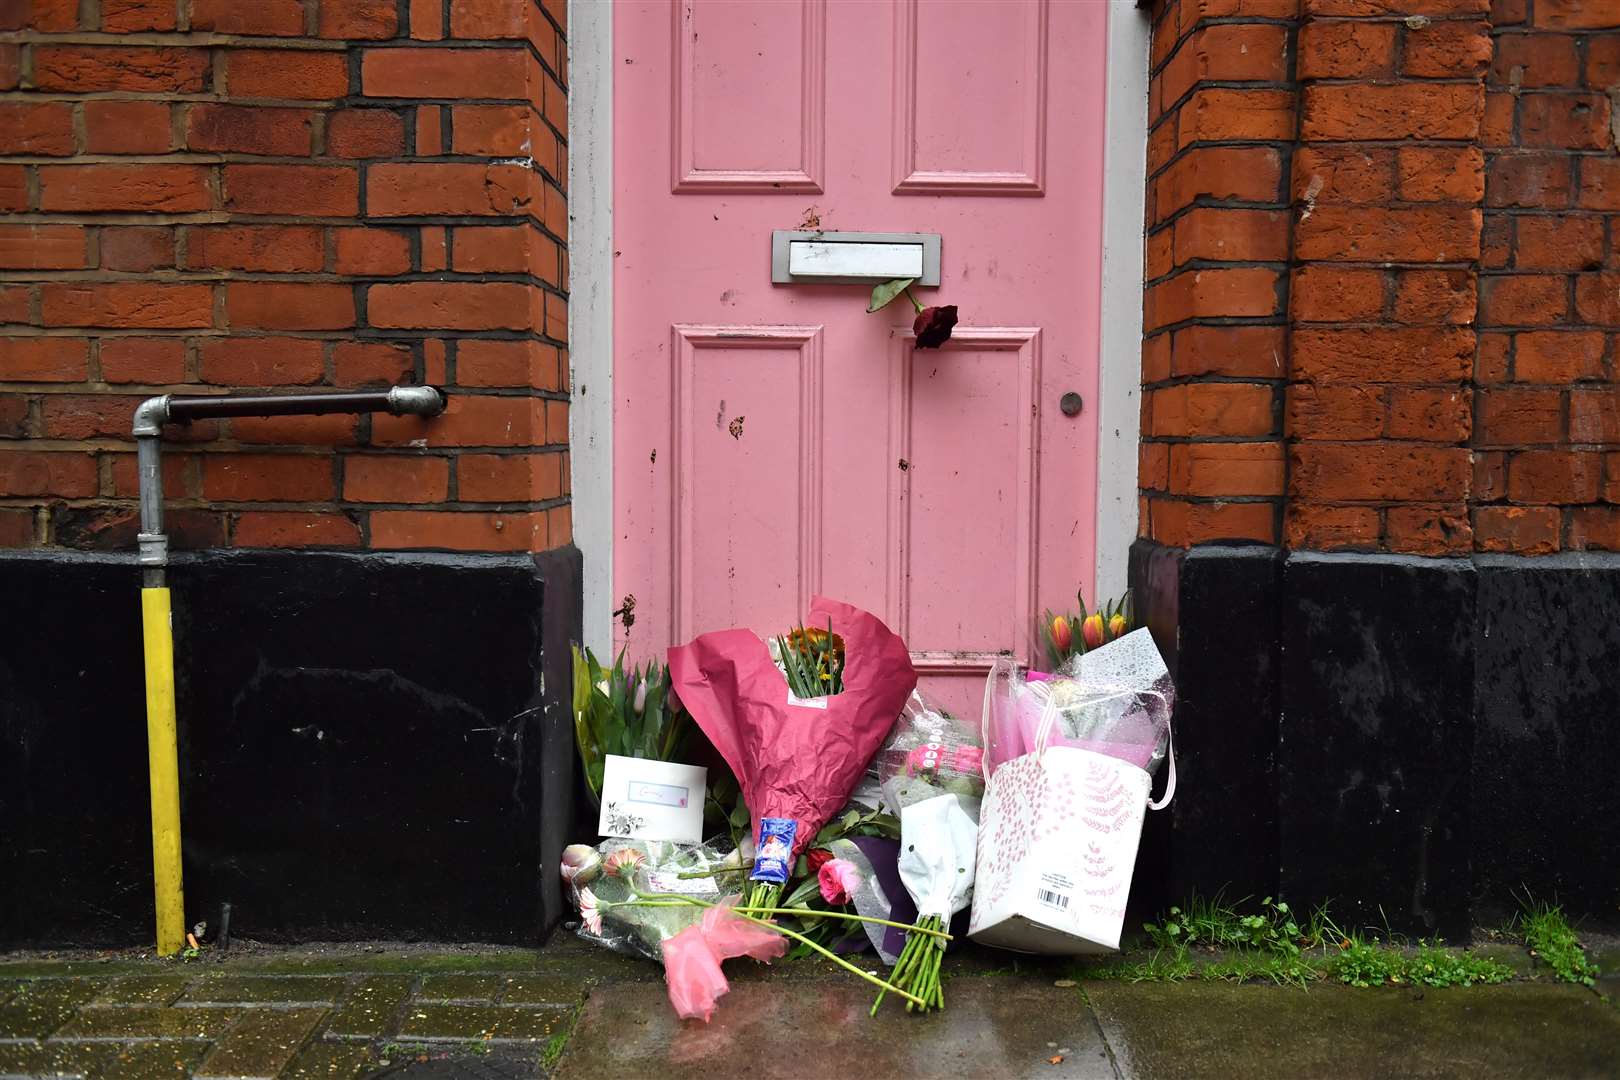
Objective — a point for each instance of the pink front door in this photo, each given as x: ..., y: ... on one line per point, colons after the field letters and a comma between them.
x: 775, y: 441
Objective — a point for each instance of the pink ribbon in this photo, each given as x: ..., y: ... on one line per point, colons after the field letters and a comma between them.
x: 692, y: 958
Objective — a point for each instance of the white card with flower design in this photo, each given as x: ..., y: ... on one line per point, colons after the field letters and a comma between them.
x: 652, y: 800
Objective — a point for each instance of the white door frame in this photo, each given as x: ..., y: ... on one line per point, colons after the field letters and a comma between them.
x: 590, y: 299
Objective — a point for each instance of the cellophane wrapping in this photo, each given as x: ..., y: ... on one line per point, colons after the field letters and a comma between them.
x: 1114, y: 700
x: 651, y: 867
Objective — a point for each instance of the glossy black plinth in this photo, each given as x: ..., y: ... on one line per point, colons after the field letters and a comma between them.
x: 1420, y: 742
x: 365, y: 749
x: 1546, y: 802
x: 1374, y: 738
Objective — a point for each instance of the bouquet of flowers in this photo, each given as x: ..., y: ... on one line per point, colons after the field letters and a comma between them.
x: 796, y: 754
x: 630, y: 712
x: 660, y: 900
x: 932, y: 770
x: 1064, y: 636
x: 1115, y: 700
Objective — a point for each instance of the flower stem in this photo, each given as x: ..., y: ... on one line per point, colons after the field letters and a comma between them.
x: 811, y: 913
x: 913, y: 300
x: 686, y: 874
x: 918, y: 966
x: 680, y: 901
x: 795, y: 935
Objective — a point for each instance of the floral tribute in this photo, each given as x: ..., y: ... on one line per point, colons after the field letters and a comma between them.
x: 844, y: 807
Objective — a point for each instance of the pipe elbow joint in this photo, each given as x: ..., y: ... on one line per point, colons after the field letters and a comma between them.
x: 415, y: 401
x: 150, y: 416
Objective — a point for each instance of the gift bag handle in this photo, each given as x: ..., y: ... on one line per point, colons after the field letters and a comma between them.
x: 1170, y: 781
x: 1043, y: 735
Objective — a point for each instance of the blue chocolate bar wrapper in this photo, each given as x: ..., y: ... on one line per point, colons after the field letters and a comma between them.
x: 773, y: 857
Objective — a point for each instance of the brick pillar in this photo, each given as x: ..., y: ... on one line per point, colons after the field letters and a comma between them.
x: 1548, y: 412
x: 1222, y: 118
x: 1387, y: 183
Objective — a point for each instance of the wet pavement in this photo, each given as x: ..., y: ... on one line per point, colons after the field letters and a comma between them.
x: 578, y: 1013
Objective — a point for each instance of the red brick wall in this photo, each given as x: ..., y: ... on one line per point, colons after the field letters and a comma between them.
x: 217, y: 195
x: 1547, y: 438
x: 1381, y: 276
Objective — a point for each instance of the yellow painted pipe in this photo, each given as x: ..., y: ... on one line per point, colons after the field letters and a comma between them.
x: 164, y: 764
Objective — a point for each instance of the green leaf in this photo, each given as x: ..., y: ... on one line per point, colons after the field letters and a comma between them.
x: 886, y: 292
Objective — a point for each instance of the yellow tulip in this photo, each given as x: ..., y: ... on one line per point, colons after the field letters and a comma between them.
x: 1116, y: 627
x: 1062, y: 636
x: 1091, y: 631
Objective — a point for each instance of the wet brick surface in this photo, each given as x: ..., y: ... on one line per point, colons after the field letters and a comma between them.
x: 579, y: 1013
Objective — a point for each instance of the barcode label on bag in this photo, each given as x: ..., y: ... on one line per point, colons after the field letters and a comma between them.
x: 1052, y: 899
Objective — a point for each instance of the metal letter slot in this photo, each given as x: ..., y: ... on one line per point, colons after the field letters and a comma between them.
x: 853, y: 258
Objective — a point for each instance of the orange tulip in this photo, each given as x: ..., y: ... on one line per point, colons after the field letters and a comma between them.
x: 1116, y: 627
x: 1062, y: 635
x: 1091, y: 631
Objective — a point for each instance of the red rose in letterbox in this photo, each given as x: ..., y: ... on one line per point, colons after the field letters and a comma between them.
x: 933, y: 326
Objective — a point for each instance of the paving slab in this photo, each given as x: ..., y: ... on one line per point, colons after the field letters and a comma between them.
x: 559, y: 988
x: 332, y: 1061
x: 146, y: 1022
x: 992, y: 1027
x: 44, y: 1005
x: 143, y: 990
x: 52, y: 1059
x: 460, y: 987
x: 258, y: 989
x: 482, y: 1022
x: 1160, y: 1031
x: 167, y: 1060
x: 261, y: 1043
x: 371, y: 1008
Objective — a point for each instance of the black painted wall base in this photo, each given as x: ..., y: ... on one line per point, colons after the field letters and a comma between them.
x: 1415, y: 740
x: 365, y: 747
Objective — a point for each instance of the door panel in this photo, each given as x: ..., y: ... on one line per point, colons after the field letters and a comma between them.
x: 772, y: 441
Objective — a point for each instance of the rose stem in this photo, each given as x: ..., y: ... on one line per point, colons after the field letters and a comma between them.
x: 913, y: 300
x: 795, y: 935
x: 683, y: 902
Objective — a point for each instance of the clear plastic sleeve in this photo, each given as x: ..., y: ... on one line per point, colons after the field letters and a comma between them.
x: 930, y: 753
x: 1115, y: 700
x: 707, y: 871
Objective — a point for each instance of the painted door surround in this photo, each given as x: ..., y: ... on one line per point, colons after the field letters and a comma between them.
x: 773, y: 441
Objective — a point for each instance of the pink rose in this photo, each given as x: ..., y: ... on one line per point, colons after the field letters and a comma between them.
x: 838, y: 879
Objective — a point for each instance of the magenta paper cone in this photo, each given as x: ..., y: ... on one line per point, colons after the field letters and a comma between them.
x: 795, y: 762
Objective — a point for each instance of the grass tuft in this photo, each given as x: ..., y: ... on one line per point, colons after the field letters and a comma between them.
x: 1236, y: 942
x: 1552, y: 940
x: 559, y: 1041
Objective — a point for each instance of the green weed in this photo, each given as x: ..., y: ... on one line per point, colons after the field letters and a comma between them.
x: 1248, y: 966
x: 1163, y: 965
x: 559, y: 1041
x: 1212, y: 924
x: 1364, y: 962
x: 1272, y: 944
x: 1551, y: 940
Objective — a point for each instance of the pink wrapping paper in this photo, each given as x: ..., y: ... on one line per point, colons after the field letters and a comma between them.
x: 692, y: 958
x: 795, y: 761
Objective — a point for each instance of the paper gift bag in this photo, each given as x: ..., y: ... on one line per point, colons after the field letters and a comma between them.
x: 1058, y: 833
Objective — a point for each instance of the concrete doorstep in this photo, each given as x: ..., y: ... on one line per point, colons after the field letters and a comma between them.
x: 578, y: 1013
